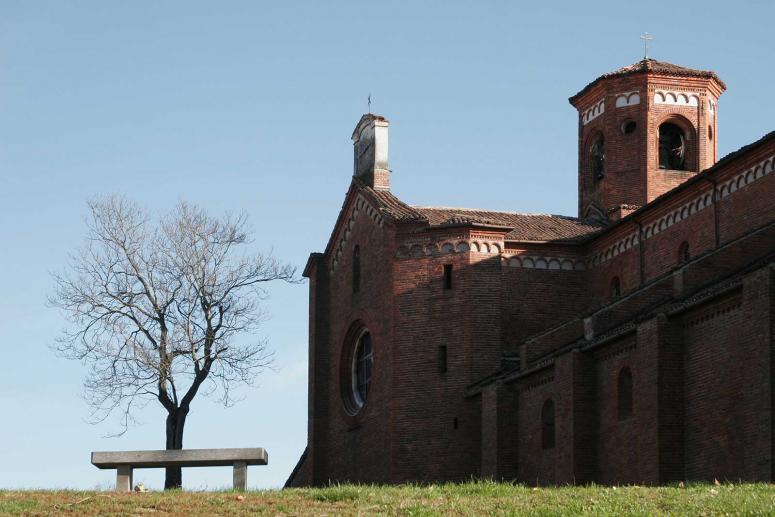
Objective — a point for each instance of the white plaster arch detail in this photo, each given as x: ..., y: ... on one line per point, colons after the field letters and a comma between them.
x: 593, y: 112
x: 676, y: 98
x: 627, y: 99
x: 702, y: 201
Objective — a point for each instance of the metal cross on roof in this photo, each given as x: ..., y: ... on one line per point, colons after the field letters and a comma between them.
x: 646, y: 37
x: 369, y: 103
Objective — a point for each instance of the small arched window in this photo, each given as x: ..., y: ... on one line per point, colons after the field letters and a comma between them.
x: 547, y: 425
x: 672, y: 147
x: 616, y: 287
x: 597, y: 158
x: 624, y: 393
x: 683, y: 253
x: 356, y: 269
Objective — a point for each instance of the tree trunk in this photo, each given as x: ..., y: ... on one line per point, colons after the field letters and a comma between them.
x: 176, y: 421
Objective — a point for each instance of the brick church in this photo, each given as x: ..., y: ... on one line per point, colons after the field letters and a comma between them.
x: 630, y: 344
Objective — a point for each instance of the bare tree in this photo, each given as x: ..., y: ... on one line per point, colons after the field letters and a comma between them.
x: 156, y: 308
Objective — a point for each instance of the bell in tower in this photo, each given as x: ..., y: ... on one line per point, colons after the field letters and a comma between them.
x: 643, y: 130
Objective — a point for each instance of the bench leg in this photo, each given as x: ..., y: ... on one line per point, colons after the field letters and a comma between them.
x: 124, y: 479
x: 240, y: 475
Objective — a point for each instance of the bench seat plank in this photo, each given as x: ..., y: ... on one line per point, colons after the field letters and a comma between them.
x: 179, y: 458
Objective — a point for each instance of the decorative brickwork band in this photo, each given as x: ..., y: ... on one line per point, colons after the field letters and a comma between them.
x: 704, y: 200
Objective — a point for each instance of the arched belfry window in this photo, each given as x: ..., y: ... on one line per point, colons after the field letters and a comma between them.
x: 672, y: 147
x: 683, y: 253
x: 547, y: 425
x: 616, y: 287
x: 356, y: 269
x: 597, y: 157
x: 624, y: 393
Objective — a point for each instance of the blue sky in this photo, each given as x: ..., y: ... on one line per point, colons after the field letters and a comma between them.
x: 249, y: 106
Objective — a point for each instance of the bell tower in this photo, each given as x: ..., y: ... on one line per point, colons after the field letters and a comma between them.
x: 643, y: 130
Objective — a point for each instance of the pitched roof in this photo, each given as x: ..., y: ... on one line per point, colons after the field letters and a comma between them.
x: 522, y: 227
x: 655, y: 67
x: 389, y: 204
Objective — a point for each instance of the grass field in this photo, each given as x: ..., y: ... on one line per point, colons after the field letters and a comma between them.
x: 476, y: 498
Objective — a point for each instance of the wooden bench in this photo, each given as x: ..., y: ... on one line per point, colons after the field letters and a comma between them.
x: 125, y: 461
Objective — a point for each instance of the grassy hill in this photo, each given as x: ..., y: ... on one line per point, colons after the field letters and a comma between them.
x: 476, y: 498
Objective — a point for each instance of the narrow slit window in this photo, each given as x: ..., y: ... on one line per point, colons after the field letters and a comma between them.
x: 447, y: 276
x: 597, y: 158
x: 616, y: 287
x: 683, y: 253
x: 356, y: 269
x: 443, y: 359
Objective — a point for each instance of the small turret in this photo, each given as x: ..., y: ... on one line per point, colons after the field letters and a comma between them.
x: 370, y: 150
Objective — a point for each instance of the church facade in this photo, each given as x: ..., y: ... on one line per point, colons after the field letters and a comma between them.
x: 630, y: 344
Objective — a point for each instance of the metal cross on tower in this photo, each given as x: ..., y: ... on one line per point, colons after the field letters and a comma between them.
x: 369, y: 101
x: 646, y: 37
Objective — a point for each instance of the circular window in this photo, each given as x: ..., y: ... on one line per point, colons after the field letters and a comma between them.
x: 357, y: 376
x: 628, y: 127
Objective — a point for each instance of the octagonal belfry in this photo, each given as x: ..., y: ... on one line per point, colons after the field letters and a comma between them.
x: 643, y: 130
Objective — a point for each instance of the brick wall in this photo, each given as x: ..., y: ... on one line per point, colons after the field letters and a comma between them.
x: 534, y: 464
x: 347, y: 447
x: 619, y: 452
x: 534, y: 300
x: 728, y: 384
x: 702, y: 389
x: 632, y: 175
x: 436, y: 429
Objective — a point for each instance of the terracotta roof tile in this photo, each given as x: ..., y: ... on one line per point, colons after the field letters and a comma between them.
x: 653, y: 66
x: 390, y: 205
x: 524, y: 227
